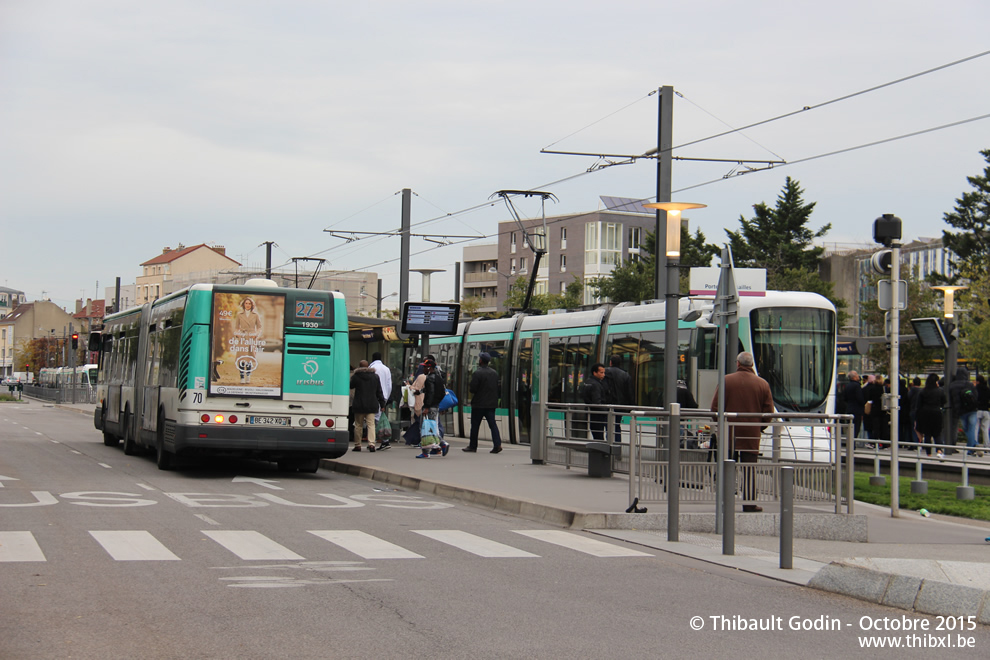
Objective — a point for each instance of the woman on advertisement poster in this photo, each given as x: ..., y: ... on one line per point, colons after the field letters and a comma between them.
x: 248, y: 323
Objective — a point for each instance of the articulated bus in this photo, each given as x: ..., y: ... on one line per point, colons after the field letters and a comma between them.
x: 792, y: 336
x: 249, y: 370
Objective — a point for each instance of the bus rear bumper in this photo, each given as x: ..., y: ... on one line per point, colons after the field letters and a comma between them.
x: 262, y: 441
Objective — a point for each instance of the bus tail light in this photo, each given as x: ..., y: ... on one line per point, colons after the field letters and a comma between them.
x: 316, y: 422
x: 205, y: 418
x: 218, y: 419
x: 329, y: 423
x: 232, y: 419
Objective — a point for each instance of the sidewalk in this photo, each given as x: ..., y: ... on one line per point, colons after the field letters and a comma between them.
x: 937, y: 565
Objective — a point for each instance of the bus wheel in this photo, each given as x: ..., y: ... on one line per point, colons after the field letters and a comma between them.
x: 163, y: 459
x: 109, y: 439
x: 130, y: 448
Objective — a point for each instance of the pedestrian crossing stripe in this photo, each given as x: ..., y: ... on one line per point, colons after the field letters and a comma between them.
x: 20, y: 546
x: 249, y: 545
x: 583, y: 544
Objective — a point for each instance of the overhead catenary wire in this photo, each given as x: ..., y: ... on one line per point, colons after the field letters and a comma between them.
x: 693, y: 142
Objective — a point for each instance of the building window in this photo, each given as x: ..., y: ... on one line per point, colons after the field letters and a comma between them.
x: 522, y: 263
x: 563, y: 263
x: 512, y: 266
x: 612, y: 243
x: 512, y: 242
x: 591, y: 243
x: 635, y: 238
x: 563, y: 238
x: 563, y: 287
x: 540, y: 288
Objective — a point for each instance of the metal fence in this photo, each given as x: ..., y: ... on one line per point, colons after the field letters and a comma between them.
x: 639, y: 441
x: 62, y: 394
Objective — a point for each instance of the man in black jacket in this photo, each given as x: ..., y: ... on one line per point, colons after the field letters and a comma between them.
x: 368, y: 400
x: 484, y: 388
x: 618, y: 391
x: 596, y: 397
x: 855, y: 399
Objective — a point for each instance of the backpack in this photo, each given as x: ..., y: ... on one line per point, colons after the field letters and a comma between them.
x: 435, y: 390
x: 584, y: 392
x: 967, y: 400
x: 609, y: 393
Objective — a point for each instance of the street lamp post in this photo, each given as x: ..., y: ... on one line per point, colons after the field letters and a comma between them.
x: 378, y: 299
x: 670, y: 352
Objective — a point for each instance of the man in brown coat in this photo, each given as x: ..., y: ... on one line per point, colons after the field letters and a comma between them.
x: 745, y: 392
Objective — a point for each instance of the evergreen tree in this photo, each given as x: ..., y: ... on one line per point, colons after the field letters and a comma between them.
x: 778, y: 238
x: 971, y: 245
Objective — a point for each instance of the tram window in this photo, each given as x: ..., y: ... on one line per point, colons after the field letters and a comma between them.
x: 570, y: 361
x: 498, y: 349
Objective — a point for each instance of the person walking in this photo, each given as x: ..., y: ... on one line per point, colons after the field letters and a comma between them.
x: 385, y: 376
x: 484, y: 388
x: 914, y: 397
x: 618, y: 391
x: 931, y: 401
x: 428, y: 388
x: 368, y: 400
x: 962, y: 407
x: 855, y: 400
x: 745, y: 392
x: 983, y: 411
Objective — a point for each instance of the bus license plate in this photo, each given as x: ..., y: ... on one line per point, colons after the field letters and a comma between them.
x: 269, y: 421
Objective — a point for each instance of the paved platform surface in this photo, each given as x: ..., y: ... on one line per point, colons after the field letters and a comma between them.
x: 933, y: 565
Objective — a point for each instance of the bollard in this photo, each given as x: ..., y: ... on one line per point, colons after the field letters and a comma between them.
x: 919, y: 486
x: 787, y: 517
x: 729, y: 508
x: 965, y: 492
x: 877, y: 479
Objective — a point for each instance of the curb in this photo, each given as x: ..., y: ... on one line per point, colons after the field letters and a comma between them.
x: 914, y: 594
x: 490, y: 501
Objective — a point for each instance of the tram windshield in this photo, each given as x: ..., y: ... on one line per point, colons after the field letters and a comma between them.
x: 802, y: 338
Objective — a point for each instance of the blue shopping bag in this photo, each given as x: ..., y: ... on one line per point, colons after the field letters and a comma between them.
x: 448, y: 402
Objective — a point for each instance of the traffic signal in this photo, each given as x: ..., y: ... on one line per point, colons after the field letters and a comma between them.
x: 75, y: 340
x: 881, y: 262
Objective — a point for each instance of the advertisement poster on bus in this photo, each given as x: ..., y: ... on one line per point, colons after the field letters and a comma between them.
x: 246, y: 354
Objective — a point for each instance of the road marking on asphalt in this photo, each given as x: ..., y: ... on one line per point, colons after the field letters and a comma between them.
x: 105, y: 465
x: 364, y: 545
x: 580, y: 543
x: 251, y: 545
x: 476, y: 545
x: 78, y: 453
x: 145, y: 486
x: 20, y: 546
x: 206, y: 519
x: 133, y: 545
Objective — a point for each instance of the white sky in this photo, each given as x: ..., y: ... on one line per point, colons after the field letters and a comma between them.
x: 131, y: 126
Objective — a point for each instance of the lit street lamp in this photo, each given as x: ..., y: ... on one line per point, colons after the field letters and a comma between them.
x: 670, y: 322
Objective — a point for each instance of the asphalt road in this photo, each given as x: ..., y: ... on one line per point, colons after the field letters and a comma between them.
x: 105, y: 556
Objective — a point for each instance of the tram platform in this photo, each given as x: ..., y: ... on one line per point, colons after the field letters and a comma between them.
x: 936, y: 565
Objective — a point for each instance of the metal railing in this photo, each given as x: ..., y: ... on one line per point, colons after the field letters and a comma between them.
x: 62, y: 394
x: 809, y: 443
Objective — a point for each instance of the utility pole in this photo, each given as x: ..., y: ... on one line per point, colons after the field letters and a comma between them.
x: 665, y: 137
x: 268, y: 258
x: 404, y: 247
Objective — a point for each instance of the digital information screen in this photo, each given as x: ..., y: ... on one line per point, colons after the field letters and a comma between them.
x: 430, y: 318
x: 929, y: 332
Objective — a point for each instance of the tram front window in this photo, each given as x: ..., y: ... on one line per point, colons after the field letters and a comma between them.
x: 799, y: 337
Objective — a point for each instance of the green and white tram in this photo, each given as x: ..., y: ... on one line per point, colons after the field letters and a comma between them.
x: 250, y: 370
x: 792, y: 336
